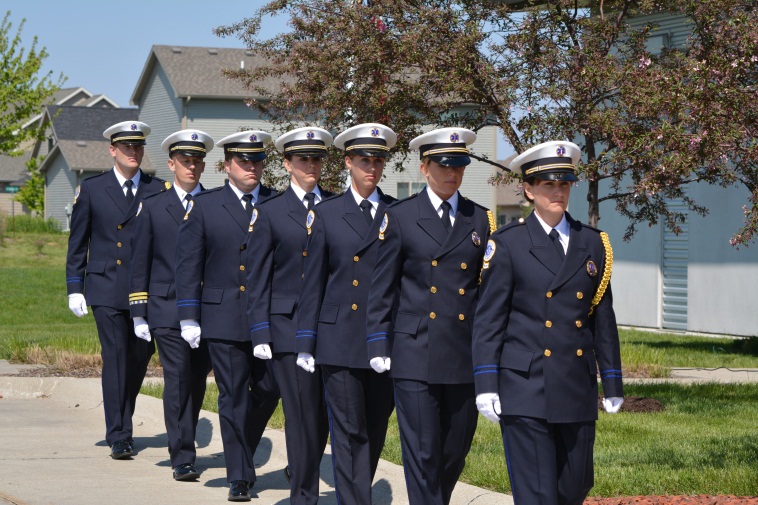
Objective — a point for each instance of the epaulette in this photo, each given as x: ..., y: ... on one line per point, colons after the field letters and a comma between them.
x: 476, y: 204
x: 407, y: 198
x: 208, y: 191
x: 270, y: 198
x: 153, y: 195
x: 590, y: 227
x: 329, y: 198
x: 513, y: 224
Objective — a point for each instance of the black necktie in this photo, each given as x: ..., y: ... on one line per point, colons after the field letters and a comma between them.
x: 248, y: 204
x: 129, y: 194
x: 311, y: 197
x: 366, y: 209
x: 187, y: 198
x: 446, y: 216
x: 557, y: 242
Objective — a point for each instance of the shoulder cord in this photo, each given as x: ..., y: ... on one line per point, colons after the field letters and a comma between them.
x: 606, y: 279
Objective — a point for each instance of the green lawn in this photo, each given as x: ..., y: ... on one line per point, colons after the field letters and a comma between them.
x: 705, y: 441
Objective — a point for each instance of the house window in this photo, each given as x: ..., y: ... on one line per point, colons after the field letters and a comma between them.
x: 406, y: 189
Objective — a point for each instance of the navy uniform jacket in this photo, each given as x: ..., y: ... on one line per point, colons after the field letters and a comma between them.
x: 331, y: 314
x: 438, y: 277
x: 210, y: 264
x: 102, y: 228
x: 152, y: 282
x: 534, y: 340
x: 275, y: 267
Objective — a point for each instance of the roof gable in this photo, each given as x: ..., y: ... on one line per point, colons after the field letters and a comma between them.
x: 86, y: 123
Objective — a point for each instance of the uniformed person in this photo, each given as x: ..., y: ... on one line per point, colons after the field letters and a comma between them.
x: 544, y: 321
x: 99, y: 246
x: 331, y: 313
x: 276, y: 257
x: 430, y: 245
x: 152, y: 298
x: 210, y: 292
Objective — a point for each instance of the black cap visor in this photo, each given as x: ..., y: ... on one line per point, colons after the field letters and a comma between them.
x: 450, y: 161
x: 555, y: 176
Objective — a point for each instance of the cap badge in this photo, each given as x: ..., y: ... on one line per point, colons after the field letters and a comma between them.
x: 374, y: 132
x: 309, y: 220
x: 309, y: 135
x: 454, y: 137
x: 194, y: 136
x: 253, y: 218
x: 591, y: 268
x: 253, y: 138
x: 383, y: 227
x: 475, y: 239
x: 133, y: 127
x: 139, y: 209
x: 190, y: 205
x: 560, y: 151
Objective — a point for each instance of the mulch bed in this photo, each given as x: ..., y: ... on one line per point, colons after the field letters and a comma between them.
x: 701, y: 499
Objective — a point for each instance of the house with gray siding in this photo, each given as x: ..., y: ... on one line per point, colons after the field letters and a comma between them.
x: 691, y: 282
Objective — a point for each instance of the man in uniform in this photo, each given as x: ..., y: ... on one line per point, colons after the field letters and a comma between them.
x: 152, y: 300
x: 99, y: 246
x: 210, y: 297
x: 331, y: 312
x: 431, y: 245
x: 275, y: 275
x: 544, y: 322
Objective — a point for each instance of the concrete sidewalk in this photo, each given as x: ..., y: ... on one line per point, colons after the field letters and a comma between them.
x: 52, y: 452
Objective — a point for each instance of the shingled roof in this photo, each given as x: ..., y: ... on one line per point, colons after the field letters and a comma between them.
x: 196, y: 71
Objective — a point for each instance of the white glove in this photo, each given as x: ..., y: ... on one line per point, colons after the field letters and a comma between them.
x: 77, y: 304
x: 306, y: 362
x: 612, y: 404
x: 381, y: 364
x: 488, y: 405
x: 141, y: 329
x: 191, y: 332
x: 262, y: 351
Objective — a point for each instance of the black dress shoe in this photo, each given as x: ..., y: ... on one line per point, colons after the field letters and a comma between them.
x: 287, y: 473
x: 239, y: 490
x: 122, y: 450
x: 186, y: 471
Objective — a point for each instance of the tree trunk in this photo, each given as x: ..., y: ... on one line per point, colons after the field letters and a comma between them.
x: 593, y: 209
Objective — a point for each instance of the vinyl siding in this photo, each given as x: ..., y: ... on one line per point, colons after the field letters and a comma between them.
x: 60, y: 188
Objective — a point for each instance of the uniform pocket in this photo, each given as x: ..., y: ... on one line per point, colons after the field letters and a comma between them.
x: 283, y: 306
x: 519, y: 360
x: 96, y: 267
x: 407, y: 323
x: 328, y: 314
x: 212, y: 295
x: 160, y: 289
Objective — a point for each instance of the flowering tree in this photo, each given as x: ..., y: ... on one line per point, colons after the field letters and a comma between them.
x: 649, y: 121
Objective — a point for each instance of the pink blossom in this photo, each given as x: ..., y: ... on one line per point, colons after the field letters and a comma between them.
x: 644, y: 62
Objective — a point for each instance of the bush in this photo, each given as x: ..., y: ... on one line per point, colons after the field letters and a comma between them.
x: 31, y: 224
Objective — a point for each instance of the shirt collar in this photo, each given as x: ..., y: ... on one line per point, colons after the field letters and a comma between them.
x: 437, y: 201
x: 122, y: 179
x: 181, y: 193
x: 373, y: 197
x: 240, y: 194
x: 562, y: 228
x: 300, y: 192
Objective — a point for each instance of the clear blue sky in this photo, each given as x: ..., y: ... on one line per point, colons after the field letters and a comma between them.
x: 102, y: 45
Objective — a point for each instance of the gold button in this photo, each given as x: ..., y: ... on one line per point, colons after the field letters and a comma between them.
x: 521, y: 220
x: 242, y: 288
x: 305, y: 253
x: 243, y: 247
x: 356, y: 258
x: 464, y: 266
x: 118, y: 244
x: 434, y: 263
x: 579, y: 295
x: 354, y: 307
x: 118, y: 262
x: 242, y: 267
x: 461, y: 291
x: 578, y: 324
x: 432, y: 315
x: 433, y: 289
x: 355, y: 282
x: 549, y: 324
x: 119, y: 227
x: 461, y: 317
x: 549, y: 294
x: 579, y: 352
x: 548, y: 352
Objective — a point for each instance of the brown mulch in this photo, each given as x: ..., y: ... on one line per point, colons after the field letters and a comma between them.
x: 701, y: 499
x: 80, y: 373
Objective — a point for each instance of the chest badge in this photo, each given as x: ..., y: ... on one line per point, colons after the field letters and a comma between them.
x: 591, y: 268
x: 309, y: 220
x: 139, y: 209
x: 190, y: 205
x: 383, y: 227
x: 253, y: 218
x: 476, y: 239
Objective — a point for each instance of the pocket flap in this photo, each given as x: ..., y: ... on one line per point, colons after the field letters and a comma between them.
x: 160, y: 289
x: 96, y: 267
x: 328, y: 314
x: 283, y: 305
x: 516, y: 359
x: 407, y: 323
x: 212, y: 295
